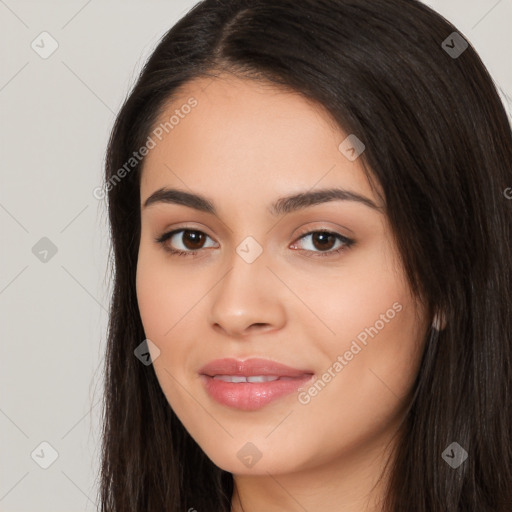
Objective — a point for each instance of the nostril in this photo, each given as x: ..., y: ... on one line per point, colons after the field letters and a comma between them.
x: 259, y: 326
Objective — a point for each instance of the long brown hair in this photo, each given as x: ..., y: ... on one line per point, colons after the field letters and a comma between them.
x: 439, y: 143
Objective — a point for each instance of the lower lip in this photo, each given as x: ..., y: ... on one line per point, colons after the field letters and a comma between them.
x: 249, y: 396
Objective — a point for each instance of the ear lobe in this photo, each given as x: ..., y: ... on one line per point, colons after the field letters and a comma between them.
x: 439, y: 321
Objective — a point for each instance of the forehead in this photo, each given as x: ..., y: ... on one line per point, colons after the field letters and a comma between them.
x: 247, y: 135
x: 230, y: 91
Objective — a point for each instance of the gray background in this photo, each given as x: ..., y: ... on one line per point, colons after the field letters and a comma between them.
x: 56, y: 115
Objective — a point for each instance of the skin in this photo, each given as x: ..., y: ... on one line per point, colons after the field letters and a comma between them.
x: 243, y: 146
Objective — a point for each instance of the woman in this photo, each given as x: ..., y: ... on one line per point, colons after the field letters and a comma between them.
x: 311, y: 239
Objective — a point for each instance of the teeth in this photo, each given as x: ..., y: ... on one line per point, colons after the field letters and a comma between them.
x: 241, y: 378
x: 231, y: 378
x: 261, y: 378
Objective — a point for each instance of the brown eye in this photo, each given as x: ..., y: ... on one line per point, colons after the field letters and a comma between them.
x: 323, y: 240
x: 192, y: 240
x: 183, y: 241
x: 323, y: 243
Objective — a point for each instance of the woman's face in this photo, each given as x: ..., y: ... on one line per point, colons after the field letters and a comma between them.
x: 265, y: 282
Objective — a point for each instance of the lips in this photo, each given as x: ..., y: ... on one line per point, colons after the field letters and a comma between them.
x: 249, y: 385
x: 251, y: 367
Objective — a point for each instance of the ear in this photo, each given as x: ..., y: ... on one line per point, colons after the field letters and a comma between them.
x: 439, y: 321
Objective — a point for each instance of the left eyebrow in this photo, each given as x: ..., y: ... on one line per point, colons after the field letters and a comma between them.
x: 305, y: 199
x: 282, y: 206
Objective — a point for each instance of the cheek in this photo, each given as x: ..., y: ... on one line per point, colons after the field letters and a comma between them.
x: 376, y: 328
x: 367, y: 293
x: 164, y: 294
x: 370, y: 367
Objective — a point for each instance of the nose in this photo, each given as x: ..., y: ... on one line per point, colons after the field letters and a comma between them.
x: 247, y: 299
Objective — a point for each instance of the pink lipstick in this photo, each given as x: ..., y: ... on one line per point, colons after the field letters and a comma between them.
x: 249, y: 385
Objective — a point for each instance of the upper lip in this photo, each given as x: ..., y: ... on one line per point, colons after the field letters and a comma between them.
x: 250, y: 367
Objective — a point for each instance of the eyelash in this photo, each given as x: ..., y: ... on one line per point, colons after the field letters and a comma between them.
x: 177, y: 252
